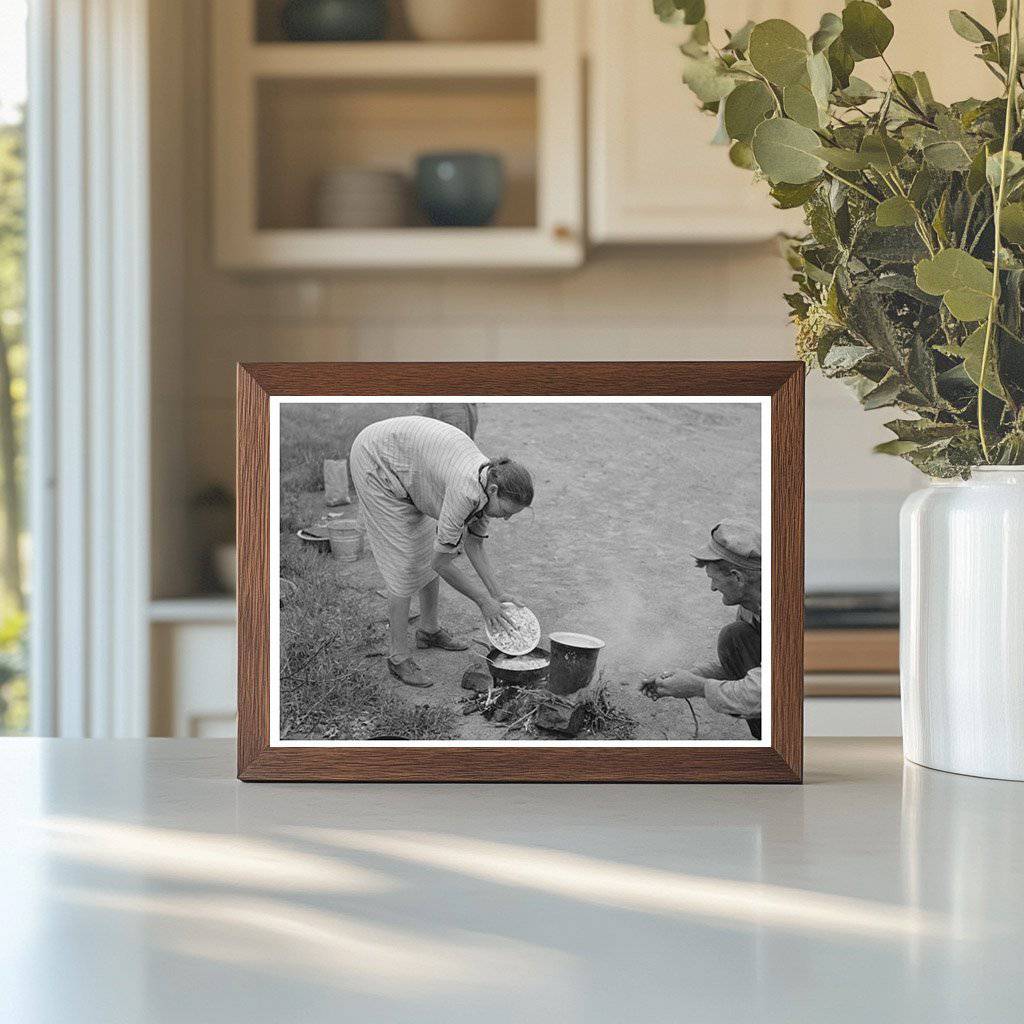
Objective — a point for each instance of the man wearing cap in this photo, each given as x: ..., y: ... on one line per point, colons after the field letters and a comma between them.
x: 731, y: 685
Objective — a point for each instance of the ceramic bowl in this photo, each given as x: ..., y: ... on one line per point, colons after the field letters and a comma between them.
x: 459, y: 189
x: 332, y: 21
x: 471, y: 20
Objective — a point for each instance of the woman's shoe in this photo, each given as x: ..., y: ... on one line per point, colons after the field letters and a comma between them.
x: 441, y: 639
x: 408, y: 672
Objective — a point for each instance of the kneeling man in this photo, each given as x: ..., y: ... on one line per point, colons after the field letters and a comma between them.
x: 731, y: 685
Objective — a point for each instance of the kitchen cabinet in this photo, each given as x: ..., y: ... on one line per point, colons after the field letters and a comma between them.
x: 654, y: 177
x: 287, y: 114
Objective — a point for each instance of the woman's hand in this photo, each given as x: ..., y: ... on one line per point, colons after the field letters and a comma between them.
x: 494, y: 615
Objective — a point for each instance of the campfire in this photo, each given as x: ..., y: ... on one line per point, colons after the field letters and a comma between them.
x: 534, y: 712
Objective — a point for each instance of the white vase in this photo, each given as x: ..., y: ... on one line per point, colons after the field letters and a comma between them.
x: 962, y: 624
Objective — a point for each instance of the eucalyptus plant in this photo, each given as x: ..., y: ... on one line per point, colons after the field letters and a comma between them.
x: 910, y: 278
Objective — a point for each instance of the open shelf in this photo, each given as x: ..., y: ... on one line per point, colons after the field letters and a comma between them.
x: 406, y: 248
x: 520, y: 22
x: 388, y: 60
x: 309, y: 127
x: 286, y: 114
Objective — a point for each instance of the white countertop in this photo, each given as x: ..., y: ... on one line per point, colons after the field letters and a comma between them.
x: 140, y: 882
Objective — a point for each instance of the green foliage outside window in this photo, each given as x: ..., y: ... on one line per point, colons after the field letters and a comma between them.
x: 13, y: 411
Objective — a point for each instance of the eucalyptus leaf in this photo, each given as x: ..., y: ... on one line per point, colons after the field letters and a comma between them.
x: 924, y: 88
x: 993, y: 167
x: 843, y: 358
x: 923, y: 431
x: 969, y: 28
x: 1012, y: 223
x: 921, y: 370
x: 829, y: 30
x: 788, y: 196
x: 972, y: 351
x: 786, y: 151
x: 745, y: 108
x: 866, y: 30
x: 869, y: 320
x: 666, y: 10
x: 883, y: 395
x: 779, y: 51
x: 741, y: 155
x: 947, y: 156
x: 895, y: 447
x: 922, y: 185
x: 690, y: 12
x: 963, y: 281
x: 883, y: 152
x: 888, y: 246
x: 894, y: 212
x: 801, y: 106
x: 819, y: 75
x: 693, y: 10
x: 708, y: 80
x: 701, y: 34
x: 976, y: 173
x: 721, y: 136
x: 844, y: 159
x: 857, y: 91
x: 739, y: 41
x: 841, y: 63
x: 939, y: 220
x: 905, y: 84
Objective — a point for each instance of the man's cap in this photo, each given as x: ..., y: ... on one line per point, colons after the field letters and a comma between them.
x: 735, y: 542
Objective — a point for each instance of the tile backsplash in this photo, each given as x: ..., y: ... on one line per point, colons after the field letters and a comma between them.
x: 709, y: 303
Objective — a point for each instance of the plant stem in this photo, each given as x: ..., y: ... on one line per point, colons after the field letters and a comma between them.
x: 768, y: 86
x: 980, y: 232
x: 853, y: 185
x: 907, y: 99
x: 1011, y: 108
x: 1012, y: 334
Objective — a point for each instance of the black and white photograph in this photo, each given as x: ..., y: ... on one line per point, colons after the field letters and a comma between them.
x: 519, y: 570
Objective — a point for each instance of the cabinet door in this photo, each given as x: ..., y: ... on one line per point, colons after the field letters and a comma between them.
x: 654, y: 176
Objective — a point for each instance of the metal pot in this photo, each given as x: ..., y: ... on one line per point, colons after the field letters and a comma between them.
x: 516, y: 677
x: 574, y: 661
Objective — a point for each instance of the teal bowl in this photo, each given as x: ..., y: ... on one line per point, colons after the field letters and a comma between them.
x: 334, y: 21
x: 460, y: 189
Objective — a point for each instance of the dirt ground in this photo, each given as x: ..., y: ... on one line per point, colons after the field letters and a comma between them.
x: 623, y: 494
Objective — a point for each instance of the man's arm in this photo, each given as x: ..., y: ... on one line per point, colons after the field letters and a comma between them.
x: 709, y: 670
x: 736, y: 696
x: 728, y: 696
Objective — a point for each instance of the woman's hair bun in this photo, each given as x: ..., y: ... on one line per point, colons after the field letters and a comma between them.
x: 512, y: 479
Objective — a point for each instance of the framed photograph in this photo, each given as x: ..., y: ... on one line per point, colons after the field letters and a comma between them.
x: 512, y: 572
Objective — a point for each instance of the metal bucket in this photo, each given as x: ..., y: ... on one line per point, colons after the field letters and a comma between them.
x: 573, y: 661
x: 346, y: 540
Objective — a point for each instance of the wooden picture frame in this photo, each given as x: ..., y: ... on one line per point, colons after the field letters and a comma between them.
x: 779, y: 760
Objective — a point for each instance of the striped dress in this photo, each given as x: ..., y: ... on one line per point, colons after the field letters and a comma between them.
x: 419, y: 483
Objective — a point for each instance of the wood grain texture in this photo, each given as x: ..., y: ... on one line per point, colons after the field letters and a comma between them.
x: 852, y: 650
x: 781, y: 762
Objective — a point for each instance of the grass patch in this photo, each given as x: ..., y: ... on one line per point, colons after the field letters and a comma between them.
x: 331, y: 634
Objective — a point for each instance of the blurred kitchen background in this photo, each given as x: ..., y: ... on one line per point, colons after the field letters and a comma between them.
x: 291, y: 217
